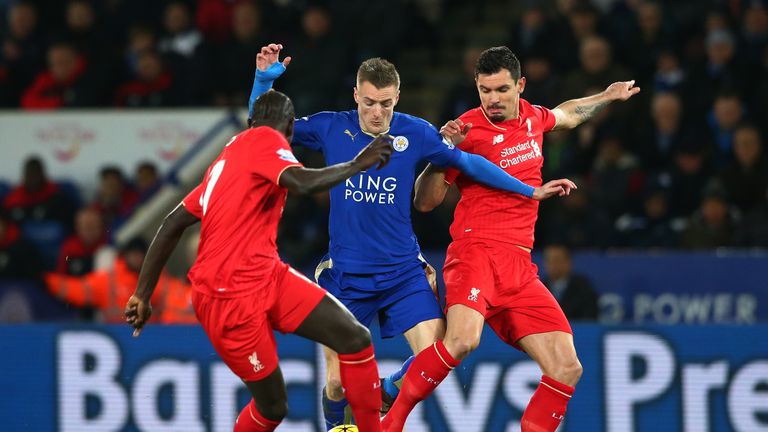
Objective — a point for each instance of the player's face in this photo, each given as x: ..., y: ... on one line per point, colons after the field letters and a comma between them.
x: 499, y: 94
x: 375, y: 106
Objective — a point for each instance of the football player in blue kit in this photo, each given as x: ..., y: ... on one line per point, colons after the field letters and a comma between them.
x: 374, y: 265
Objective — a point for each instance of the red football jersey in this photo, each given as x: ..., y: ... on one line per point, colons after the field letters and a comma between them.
x: 514, y: 145
x: 240, y: 204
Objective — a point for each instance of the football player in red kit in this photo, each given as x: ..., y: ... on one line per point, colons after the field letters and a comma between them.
x: 242, y: 291
x: 488, y: 272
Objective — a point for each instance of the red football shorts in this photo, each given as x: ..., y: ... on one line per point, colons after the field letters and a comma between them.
x: 500, y: 281
x: 241, y: 328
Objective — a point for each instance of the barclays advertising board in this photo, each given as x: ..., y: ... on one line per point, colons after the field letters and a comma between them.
x: 652, y: 378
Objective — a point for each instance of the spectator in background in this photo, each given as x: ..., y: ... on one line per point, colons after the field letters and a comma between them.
x: 688, y: 174
x: 652, y: 227
x: 233, y: 80
x: 656, y: 144
x: 140, y: 39
x: 115, y: 199
x: 185, y: 53
x: 37, y: 198
x: 21, y: 53
x: 579, y: 22
x: 573, y: 291
x: 720, y: 72
x: 615, y: 177
x: 754, y: 33
x: 76, y: 257
x: 109, y: 291
x: 531, y: 33
x: 463, y: 93
x: 727, y: 113
x: 315, y: 83
x: 66, y: 83
x: 18, y: 257
x: 597, y: 68
x: 746, y: 178
x: 81, y: 32
x: 576, y: 221
x: 147, y: 180
x: 542, y: 87
x: 648, y: 40
x: 151, y: 88
x: 714, y: 224
x: 670, y: 75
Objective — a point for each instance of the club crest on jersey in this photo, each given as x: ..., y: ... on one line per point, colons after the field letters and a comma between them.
x: 254, y: 360
x: 400, y: 143
x: 530, y: 132
x: 498, y: 139
x: 286, y: 155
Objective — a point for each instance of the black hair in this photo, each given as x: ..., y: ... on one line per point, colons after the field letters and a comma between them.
x: 274, y: 109
x: 497, y: 58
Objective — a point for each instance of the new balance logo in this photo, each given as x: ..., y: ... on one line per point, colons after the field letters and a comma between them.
x: 557, y: 416
x: 377, y: 385
x: 498, y: 139
x: 473, y: 293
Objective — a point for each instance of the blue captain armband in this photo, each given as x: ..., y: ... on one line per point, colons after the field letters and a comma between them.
x: 484, y: 171
x: 262, y: 82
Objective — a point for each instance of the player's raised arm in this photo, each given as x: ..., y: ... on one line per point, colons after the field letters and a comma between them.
x: 308, y: 180
x: 268, y: 69
x: 138, y: 309
x: 574, y: 112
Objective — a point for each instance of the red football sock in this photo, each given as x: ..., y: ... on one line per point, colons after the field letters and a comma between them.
x: 362, y: 388
x: 428, y: 369
x: 547, y: 407
x: 251, y: 420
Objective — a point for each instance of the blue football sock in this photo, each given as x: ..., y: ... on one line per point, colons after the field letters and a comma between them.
x: 390, y: 382
x: 333, y: 411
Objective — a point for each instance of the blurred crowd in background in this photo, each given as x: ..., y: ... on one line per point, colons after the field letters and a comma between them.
x: 682, y: 166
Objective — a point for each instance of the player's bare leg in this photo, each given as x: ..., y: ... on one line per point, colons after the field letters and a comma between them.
x: 332, y: 325
x: 433, y: 364
x: 556, y: 356
x: 268, y: 407
x: 419, y: 337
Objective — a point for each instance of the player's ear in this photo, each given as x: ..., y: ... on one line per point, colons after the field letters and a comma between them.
x: 520, y: 85
x: 397, y: 97
x: 354, y: 93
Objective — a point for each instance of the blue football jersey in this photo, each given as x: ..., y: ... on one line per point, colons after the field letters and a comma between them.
x: 370, y: 221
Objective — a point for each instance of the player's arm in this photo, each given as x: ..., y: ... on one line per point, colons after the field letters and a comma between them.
x: 574, y: 112
x: 138, y: 309
x: 431, y: 188
x: 268, y: 69
x: 303, y: 180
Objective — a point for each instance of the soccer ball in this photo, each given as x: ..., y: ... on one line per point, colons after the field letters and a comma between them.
x: 344, y: 428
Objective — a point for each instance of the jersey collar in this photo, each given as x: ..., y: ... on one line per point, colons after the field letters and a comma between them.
x: 362, y: 129
x: 517, y: 121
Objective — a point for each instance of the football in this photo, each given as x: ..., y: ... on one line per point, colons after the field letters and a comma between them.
x: 344, y: 428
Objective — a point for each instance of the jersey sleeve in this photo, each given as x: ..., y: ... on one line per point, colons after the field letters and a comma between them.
x: 546, y: 117
x: 273, y: 155
x: 310, y: 131
x: 437, y: 150
x: 191, y: 202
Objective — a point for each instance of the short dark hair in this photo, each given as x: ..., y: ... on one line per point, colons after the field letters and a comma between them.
x: 495, y: 59
x: 273, y: 108
x: 112, y: 171
x: 379, y: 72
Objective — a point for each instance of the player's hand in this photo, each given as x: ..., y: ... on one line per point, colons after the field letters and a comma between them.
x: 432, y: 279
x: 377, y: 152
x: 268, y: 64
x: 137, y: 313
x: 455, y: 131
x: 621, y: 90
x: 561, y: 187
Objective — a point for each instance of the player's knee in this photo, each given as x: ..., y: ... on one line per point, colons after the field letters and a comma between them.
x: 357, y: 339
x: 333, y: 389
x: 567, y: 371
x: 460, y: 346
x: 274, y: 410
